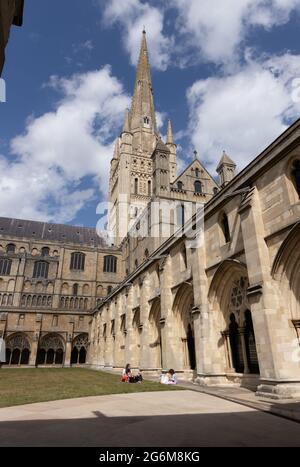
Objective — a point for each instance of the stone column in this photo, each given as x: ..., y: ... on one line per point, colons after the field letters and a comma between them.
x: 144, y: 318
x: 34, y: 349
x: 109, y: 337
x: 244, y: 352
x: 279, y: 370
x: 209, y: 361
x: 168, y: 351
x: 129, y: 343
x: 67, y: 362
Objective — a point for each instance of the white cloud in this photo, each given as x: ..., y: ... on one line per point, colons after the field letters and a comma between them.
x: 244, y: 112
x: 133, y: 16
x: 60, y: 148
x: 218, y: 28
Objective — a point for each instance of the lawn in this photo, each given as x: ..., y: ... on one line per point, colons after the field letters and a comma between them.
x: 26, y: 386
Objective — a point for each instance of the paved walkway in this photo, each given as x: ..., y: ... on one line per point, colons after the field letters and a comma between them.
x: 284, y: 408
x: 183, y: 419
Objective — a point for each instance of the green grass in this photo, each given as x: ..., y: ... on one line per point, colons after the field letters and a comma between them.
x: 26, y: 386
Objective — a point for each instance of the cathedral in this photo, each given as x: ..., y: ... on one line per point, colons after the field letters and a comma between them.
x: 201, y: 274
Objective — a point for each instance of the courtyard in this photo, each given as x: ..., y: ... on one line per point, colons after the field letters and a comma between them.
x: 26, y: 386
x: 147, y: 419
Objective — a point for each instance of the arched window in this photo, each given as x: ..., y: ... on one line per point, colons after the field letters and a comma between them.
x: 109, y: 289
x: 5, y: 267
x: 149, y: 188
x: 77, y: 261
x: 75, y: 289
x: 236, y: 345
x: 180, y: 215
x: 40, y: 269
x: 11, y: 248
x: 225, y: 228
x: 45, y: 251
x: 198, y: 187
x: 197, y: 173
x: 180, y: 185
x: 110, y: 264
x: 136, y: 186
x: 296, y: 175
x: 215, y: 190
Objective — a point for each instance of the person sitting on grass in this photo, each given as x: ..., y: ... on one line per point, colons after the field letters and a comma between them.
x: 172, y: 376
x: 169, y: 378
x: 129, y: 377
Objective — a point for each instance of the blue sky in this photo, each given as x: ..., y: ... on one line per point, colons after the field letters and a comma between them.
x: 226, y: 73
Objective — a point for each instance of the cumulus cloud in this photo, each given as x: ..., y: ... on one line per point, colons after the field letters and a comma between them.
x: 59, y: 150
x: 133, y: 16
x: 218, y: 29
x: 244, y: 112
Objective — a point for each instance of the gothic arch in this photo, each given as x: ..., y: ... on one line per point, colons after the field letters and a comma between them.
x: 51, y: 350
x: 17, y: 349
x: 79, y: 349
x: 183, y: 328
x: 286, y: 271
x: 231, y: 320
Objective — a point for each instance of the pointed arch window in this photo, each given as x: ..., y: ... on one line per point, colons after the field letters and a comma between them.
x: 198, y: 187
x: 75, y: 289
x: 149, y: 188
x: 197, y: 173
x: 225, y: 228
x: 180, y: 215
x: 296, y: 175
x: 180, y: 185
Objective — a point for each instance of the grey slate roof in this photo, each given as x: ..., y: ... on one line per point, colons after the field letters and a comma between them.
x: 35, y: 230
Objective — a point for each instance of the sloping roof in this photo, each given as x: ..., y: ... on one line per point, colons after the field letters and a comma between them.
x: 35, y: 230
x: 197, y: 162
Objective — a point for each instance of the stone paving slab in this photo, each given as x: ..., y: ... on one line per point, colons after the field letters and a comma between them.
x: 179, y: 418
x: 284, y: 408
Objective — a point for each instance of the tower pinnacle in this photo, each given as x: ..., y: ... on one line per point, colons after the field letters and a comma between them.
x: 126, y: 127
x: 170, y: 137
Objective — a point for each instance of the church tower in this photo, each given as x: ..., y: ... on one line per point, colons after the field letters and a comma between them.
x: 131, y: 172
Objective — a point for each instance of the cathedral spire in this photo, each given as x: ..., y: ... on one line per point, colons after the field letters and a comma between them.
x: 142, y: 110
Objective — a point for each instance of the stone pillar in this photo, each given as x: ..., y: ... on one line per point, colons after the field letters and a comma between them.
x: 279, y: 370
x: 129, y: 343
x: 144, y: 318
x: 33, y: 350
x: 109, y: 337
x: 168, y: 350
x: 244, y: 352
x: 67, y: 362
x: 209, y: 362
